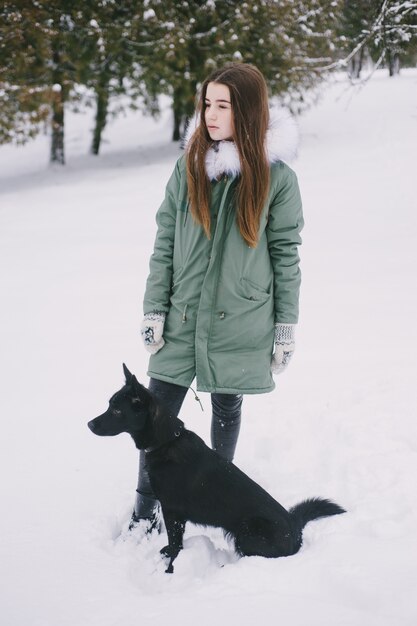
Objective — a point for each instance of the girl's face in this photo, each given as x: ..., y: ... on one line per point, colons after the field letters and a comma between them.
x: 218, y: 112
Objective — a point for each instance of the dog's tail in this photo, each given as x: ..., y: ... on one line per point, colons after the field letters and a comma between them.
x: 309, y: 510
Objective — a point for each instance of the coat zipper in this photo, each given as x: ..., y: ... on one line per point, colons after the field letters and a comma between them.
x: 225, y: 215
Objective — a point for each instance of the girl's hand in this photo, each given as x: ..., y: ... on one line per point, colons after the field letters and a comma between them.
x: 284, y: 347
x: 151, y: 330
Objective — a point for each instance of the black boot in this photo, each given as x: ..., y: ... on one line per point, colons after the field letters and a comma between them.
x: 146, y: 505
x: 146, y: 509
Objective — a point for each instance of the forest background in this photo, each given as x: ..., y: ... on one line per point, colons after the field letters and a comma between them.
x: 113, y: 55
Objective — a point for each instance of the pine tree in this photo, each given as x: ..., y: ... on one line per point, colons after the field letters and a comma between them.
x: 356, y: 21
x: 24, y: 97
x: 186, y: 40
x: 43, y: 48
x: 114, y: 66
x: 307, y: 39
x: 398, y: 25
x: 175, y: 39
x: 386, y: 28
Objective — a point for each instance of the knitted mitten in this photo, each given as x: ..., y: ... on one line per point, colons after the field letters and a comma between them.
x: 284, y: 347
x: 151, y: 330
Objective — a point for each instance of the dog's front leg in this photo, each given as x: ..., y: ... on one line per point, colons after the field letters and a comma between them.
x: 175, y: 530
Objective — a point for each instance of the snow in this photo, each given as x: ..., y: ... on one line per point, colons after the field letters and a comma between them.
x: 74, y: 250
x: 149, y: 14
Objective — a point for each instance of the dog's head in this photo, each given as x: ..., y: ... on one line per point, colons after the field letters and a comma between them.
x: 129, y: 410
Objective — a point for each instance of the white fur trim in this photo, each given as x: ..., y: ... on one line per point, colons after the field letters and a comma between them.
x: 282, y: 140
x: 224, y: 159
x: 282, y: 137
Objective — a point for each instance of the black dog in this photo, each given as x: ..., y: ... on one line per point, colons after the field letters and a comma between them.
x: 193, y: 483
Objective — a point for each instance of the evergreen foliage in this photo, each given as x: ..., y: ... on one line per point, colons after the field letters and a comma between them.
x: 189, y: 39
x: 395, y: 35
x: 44, y: 47
x: 356, y: 21
x: 116, y: 60
x: 385, y: 29
x: 59, y: 52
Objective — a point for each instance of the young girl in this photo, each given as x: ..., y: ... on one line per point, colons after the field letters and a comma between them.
x: 221, y: 300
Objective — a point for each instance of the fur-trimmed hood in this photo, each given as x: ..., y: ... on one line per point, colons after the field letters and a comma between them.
x: 282, y: 140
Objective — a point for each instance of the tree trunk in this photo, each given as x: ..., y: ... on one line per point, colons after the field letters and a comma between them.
x: 178, y: 108
x: 183, y: 108
x: 393, y: 63
x: 176, y: 133
x: 57, y: 126
x: 102, y: 103
x: 58, y: 100
x: 355, y: 64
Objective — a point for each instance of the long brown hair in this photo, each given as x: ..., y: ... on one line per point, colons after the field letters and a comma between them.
x: 250, y: 115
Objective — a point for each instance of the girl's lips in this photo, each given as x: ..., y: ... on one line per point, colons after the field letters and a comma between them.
x: 213, y: 127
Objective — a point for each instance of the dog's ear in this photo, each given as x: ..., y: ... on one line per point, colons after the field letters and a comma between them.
x: 127, y: 374
x: 141, y: 391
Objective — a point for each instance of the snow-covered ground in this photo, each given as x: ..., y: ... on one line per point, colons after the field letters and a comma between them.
x: 74, y: 249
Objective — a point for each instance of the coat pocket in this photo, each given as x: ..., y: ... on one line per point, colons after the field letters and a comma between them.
x: 253, y: 291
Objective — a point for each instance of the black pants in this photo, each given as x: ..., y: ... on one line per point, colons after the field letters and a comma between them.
x: 225, y: 426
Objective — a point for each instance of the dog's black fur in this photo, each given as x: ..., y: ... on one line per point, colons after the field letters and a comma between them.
x: 193, y: 483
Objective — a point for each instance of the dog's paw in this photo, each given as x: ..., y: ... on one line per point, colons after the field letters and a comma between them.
x: 169, y: 553
x: 165, y: 551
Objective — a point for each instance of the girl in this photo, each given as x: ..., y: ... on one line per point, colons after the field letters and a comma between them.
x: 221, y: 300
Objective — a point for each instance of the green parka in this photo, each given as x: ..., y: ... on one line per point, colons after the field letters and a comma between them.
x: 221, y: 297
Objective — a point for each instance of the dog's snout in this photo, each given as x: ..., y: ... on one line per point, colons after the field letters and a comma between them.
x: 107, y: 425
x: 91, y: 425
